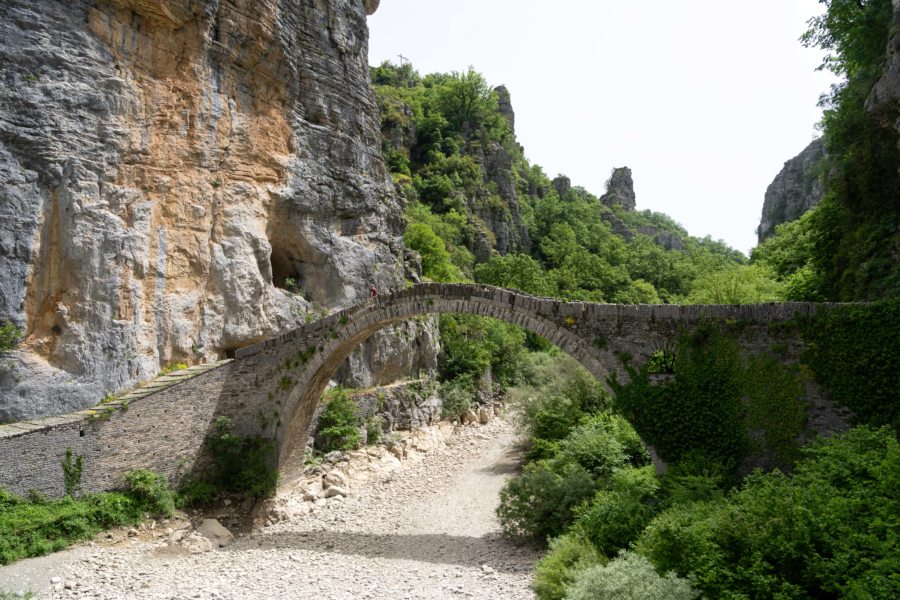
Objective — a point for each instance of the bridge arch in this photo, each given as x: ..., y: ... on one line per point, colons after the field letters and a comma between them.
x: 339, y: 334
x: 272, y: 388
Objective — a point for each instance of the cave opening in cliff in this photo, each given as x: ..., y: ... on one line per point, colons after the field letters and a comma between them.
x: 286, y: 273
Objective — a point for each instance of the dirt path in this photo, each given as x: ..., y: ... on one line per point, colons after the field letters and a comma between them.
x: 424, y: 530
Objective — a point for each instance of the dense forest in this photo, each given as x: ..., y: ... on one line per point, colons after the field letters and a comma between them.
x: 826, y: 524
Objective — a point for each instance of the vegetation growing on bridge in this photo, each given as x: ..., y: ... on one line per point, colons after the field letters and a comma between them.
x: 714, y: 399
x: 853, y: 351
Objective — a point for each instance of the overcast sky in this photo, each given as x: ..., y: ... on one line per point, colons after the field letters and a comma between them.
x: 703, y: 99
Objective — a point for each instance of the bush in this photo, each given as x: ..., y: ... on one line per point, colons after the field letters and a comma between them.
x: 628, y: 576
x: 567, y: 555
x: 540, y: 502
x: 696, y: 478
x: 828, y: 530
x: 557, y: 393
x: 616, y: 517
x: 458, y: 396
x: 552, y: 418
x: 374, y: 429
x: 151, y: 491
x: 602, y: 444
x: 9, y: 336
x: 195, y: 493
x: 339, y: 423
x: 241, y: 464
x: 36, y: 528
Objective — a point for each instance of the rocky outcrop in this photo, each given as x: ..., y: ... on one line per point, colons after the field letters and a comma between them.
x: 562, y: 185
x: 795, y: 190
x: 666, y: 239
x: 180, y: 179
x: 620, y: 190
x: 504, y: 103
x: 405, y: 406
x: 884, y: 99
x: 500, y: 211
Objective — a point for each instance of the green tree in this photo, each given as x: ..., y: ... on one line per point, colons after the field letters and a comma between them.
x: 515, y: 271
x: 435, y: 258
x: 465, y: 99
x: 735, y: 285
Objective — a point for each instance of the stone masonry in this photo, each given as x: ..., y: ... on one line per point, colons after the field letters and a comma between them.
x: 272, y: 388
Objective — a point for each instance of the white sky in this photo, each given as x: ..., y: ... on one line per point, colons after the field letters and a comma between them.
x: 703, y: 99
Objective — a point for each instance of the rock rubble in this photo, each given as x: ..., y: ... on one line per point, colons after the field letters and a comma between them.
x: 420, y: 525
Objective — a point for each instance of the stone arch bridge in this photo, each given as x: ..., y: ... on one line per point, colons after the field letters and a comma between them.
x: 273, y: 387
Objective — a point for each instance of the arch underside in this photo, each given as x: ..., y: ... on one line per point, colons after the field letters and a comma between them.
x: 364, y: 323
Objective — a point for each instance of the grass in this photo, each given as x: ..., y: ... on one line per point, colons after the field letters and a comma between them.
x: 37, y: 527
x: 171, y: 368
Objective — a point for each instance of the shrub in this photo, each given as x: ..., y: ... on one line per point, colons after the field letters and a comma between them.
x: 339, y: 423
x: 628, y: 576
x: 616, y: 517
x: 697, y: 478
x: 9, y: 336
x: 374, y: 429
x: 457, y: 395
x: 551, y: 418
x: 195, y: 493
x: 241, y: 464
x: 829, y: 529
x: 557, y: 394
x: 591, y: 446
x: 566, y: 555
x: 603, y: 444
x: 541, y: 502
x: 151, y: 491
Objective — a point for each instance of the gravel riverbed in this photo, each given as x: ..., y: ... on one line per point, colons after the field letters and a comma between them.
x: 423, y: 527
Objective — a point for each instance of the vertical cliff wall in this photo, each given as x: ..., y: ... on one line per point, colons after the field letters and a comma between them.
x: 181, y: 178
x: 797, y: 188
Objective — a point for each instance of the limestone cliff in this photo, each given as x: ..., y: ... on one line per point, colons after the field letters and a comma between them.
x: 181, y: 178
x: 620, y: 190
x: 884, y: 99
x: 795, y: 190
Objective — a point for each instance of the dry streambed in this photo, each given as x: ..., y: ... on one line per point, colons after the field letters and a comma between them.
x: 413, y: 521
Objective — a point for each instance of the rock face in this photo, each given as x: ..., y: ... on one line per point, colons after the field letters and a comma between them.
x: 795, y: 190
x: 502, y: 213
x: 181, y: 179
x: 884, y: 99
x: 403, y: 406
x: 620, y: 190
x: 504, y: 103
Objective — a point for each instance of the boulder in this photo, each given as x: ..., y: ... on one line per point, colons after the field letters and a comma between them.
x: 215, y: 532
x: 335, y: 478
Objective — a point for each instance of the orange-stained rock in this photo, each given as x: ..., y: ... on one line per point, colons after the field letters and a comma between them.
x: 167, y: 170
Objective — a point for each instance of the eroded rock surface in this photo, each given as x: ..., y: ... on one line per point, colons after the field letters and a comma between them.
x: 795, y: 190
x: 181, y: 179
x: 620, y: 190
